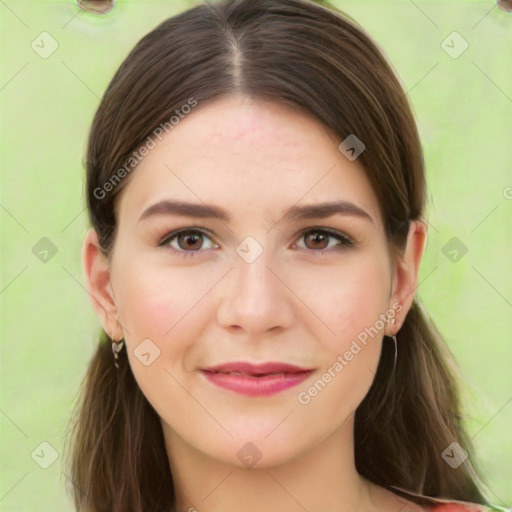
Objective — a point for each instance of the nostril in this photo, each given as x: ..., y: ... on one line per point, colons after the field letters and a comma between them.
x: 96, y: 6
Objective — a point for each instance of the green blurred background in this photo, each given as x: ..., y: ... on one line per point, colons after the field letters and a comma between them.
x: 56, y: 62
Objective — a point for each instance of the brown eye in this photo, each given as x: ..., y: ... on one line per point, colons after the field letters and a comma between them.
x: 187, y: 242
x: 318, y: 239
x: 321, y: 239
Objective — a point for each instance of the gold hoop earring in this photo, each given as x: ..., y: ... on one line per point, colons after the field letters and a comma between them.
x: 396, y: 351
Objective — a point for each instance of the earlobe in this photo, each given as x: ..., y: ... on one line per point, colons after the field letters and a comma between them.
x: 406, y: 273
x: 97, y: 277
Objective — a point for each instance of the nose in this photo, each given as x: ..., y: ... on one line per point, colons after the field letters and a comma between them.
x: 256, y: 298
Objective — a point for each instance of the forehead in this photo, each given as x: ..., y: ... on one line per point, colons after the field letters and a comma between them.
x: 242, y: 152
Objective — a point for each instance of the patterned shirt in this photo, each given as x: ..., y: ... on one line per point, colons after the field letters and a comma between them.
x: 467, y: 507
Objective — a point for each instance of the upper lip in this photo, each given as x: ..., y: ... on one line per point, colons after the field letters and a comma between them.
x: 256, y: 369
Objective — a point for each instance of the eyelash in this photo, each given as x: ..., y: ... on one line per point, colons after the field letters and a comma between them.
x: 345, y: 241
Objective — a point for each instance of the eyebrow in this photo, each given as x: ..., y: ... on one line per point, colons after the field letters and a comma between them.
x: 206, y: 211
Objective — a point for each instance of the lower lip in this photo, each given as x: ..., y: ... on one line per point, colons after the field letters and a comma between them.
x: 257, y: 386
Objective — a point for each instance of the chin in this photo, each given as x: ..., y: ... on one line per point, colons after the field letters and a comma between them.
x: 260, y: 450
x: 260, y: 455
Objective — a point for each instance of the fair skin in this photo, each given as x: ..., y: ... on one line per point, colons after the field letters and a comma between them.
x: 290, y: 304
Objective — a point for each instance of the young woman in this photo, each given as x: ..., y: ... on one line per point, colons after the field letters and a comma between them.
x: 256, y: 191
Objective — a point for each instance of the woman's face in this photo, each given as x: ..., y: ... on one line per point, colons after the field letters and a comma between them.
x: 264, y: 273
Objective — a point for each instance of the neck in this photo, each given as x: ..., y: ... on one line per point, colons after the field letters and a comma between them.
x: 324, y: 478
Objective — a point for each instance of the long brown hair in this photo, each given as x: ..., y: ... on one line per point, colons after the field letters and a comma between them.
x: 305, y: 56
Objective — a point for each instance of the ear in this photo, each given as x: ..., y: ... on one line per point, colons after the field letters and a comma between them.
x: 97, y: 276
x: 405, y: 274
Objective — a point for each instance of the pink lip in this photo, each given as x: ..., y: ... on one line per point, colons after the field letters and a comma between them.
x: 256, y: 380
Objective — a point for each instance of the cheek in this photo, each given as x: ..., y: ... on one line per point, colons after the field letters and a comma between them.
x: 347, y: 301
x: 358, y: 304
x: 161, y: 304
x: 351, y: 304
x: 164, y: 306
